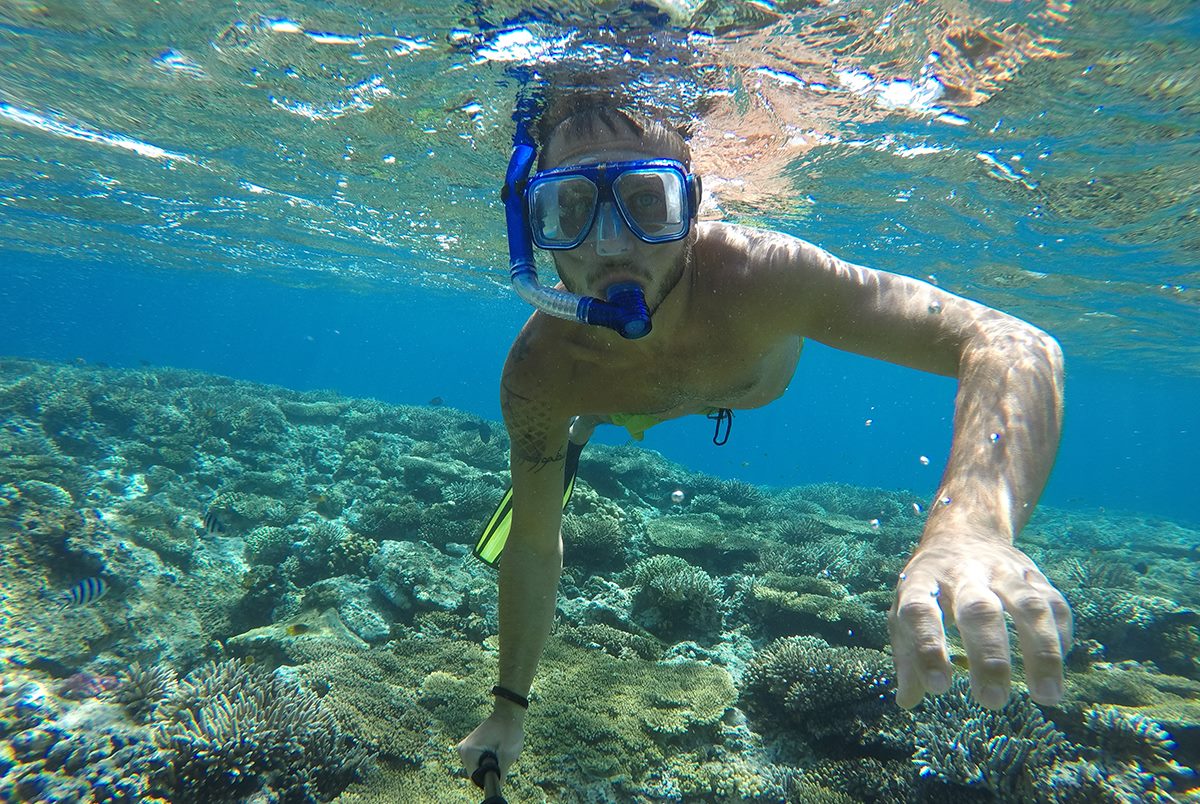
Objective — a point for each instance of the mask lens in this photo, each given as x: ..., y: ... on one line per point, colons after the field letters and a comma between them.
x: 653, y: 202
x: 561, y: 210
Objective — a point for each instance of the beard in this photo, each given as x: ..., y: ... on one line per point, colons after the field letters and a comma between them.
x: 657, y: 283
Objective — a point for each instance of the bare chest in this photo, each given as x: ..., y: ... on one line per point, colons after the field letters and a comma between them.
x: 697, y: 374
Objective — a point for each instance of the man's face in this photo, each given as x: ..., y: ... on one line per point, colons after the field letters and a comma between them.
x: 612, y: 253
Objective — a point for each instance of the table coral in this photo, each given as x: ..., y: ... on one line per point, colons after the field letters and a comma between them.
x: 798, y: 605
x: 608, y: 718
x: 701, y: 533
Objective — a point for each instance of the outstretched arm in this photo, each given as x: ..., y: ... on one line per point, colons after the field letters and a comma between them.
x: 1008, y: 416
x: 532, y: 561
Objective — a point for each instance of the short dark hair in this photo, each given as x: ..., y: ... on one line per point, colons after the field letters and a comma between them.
x: 600, y: 123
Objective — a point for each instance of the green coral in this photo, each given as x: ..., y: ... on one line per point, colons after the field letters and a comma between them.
x: 705, y: 537
x: 613, y: 641
x: 721, y: 775
x: 397, y: 521
x: 268, y: 545
x: 595, y: 539
x: 1143, y: 627
x: 174, y: 546
x: 44, y: 494
x: 330, y: 549
x: 253, y: 509
x: 1129, y: 684
x: 620, y: 716
x: 800, y: 680
x: 840, y: 781
x: 792, y: 605
x: 676, y: 600
x: 598, y: 718
x: 313, y: 412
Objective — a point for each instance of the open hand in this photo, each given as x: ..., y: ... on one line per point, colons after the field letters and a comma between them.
x: 971, y: 582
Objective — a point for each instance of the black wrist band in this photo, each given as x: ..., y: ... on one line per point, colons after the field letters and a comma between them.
x: 509, y: 695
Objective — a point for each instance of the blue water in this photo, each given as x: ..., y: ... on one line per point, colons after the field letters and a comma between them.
x: 304, y: 195
x: 1130, y: 440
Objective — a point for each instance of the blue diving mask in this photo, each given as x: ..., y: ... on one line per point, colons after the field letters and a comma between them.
x: 656, y: 198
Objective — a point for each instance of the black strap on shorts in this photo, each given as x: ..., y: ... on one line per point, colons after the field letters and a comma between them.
x: 722, y: 416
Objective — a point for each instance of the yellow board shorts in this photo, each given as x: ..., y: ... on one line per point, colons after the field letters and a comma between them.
x: 638, y: 423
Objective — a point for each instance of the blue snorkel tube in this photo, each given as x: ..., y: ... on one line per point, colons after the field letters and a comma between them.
x: 625, y: 310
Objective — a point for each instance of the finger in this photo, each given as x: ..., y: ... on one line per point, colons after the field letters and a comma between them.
x: 1033, y: 610
x: 980, y: 617
x: 909, y: 689
x: 920, y: 636
x: 468, y: 756
x: 1064, y: 621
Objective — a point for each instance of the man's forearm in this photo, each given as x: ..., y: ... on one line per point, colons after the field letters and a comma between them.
x: 1007, y: 422
x: 528, y: 591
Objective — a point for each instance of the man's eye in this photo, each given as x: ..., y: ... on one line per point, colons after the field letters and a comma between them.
x: 646, y: 200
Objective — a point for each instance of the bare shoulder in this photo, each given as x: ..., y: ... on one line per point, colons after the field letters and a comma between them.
x: 753, y: 250
x: 769, y: 273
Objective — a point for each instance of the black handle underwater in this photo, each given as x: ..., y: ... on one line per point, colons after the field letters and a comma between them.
x: 487, y: 776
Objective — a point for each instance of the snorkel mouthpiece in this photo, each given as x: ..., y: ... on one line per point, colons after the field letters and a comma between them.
x: 625, y: 310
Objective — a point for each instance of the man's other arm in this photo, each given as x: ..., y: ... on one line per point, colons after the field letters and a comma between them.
x: 1008, y: 417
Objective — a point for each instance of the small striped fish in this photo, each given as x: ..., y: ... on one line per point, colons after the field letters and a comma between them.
x: 84, y: 593
x: 213, y: 524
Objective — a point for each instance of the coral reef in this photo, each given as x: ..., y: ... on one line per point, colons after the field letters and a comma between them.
x: 326, y: 541
x: 1017, y: 755
x: 224, y: 732
x: 789, y: 604
x: 234, y: 729
x: 804, y: 683
x: 703, y: 537
x: 961, y: 743
x: 142, y: 689
x: 1139, y: 626
x: 676, y: 600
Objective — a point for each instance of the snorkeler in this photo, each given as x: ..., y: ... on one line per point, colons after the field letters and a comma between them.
x: 686, y: 317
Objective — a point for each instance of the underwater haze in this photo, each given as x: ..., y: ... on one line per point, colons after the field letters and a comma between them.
x: 254, y: 306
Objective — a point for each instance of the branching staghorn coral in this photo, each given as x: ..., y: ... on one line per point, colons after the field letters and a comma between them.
x: 960, y: 742
x: 228, y: 730
x: 142, y: 689
x: 1129, y: 737
x: 1018, y: 756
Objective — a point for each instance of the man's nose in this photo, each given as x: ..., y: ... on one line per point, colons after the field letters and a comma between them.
x: 612, y: 234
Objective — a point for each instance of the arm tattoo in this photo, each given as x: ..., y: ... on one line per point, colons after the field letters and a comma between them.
x: 529, y: 428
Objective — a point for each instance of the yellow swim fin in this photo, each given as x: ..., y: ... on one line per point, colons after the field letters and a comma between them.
x: 491, y: 540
